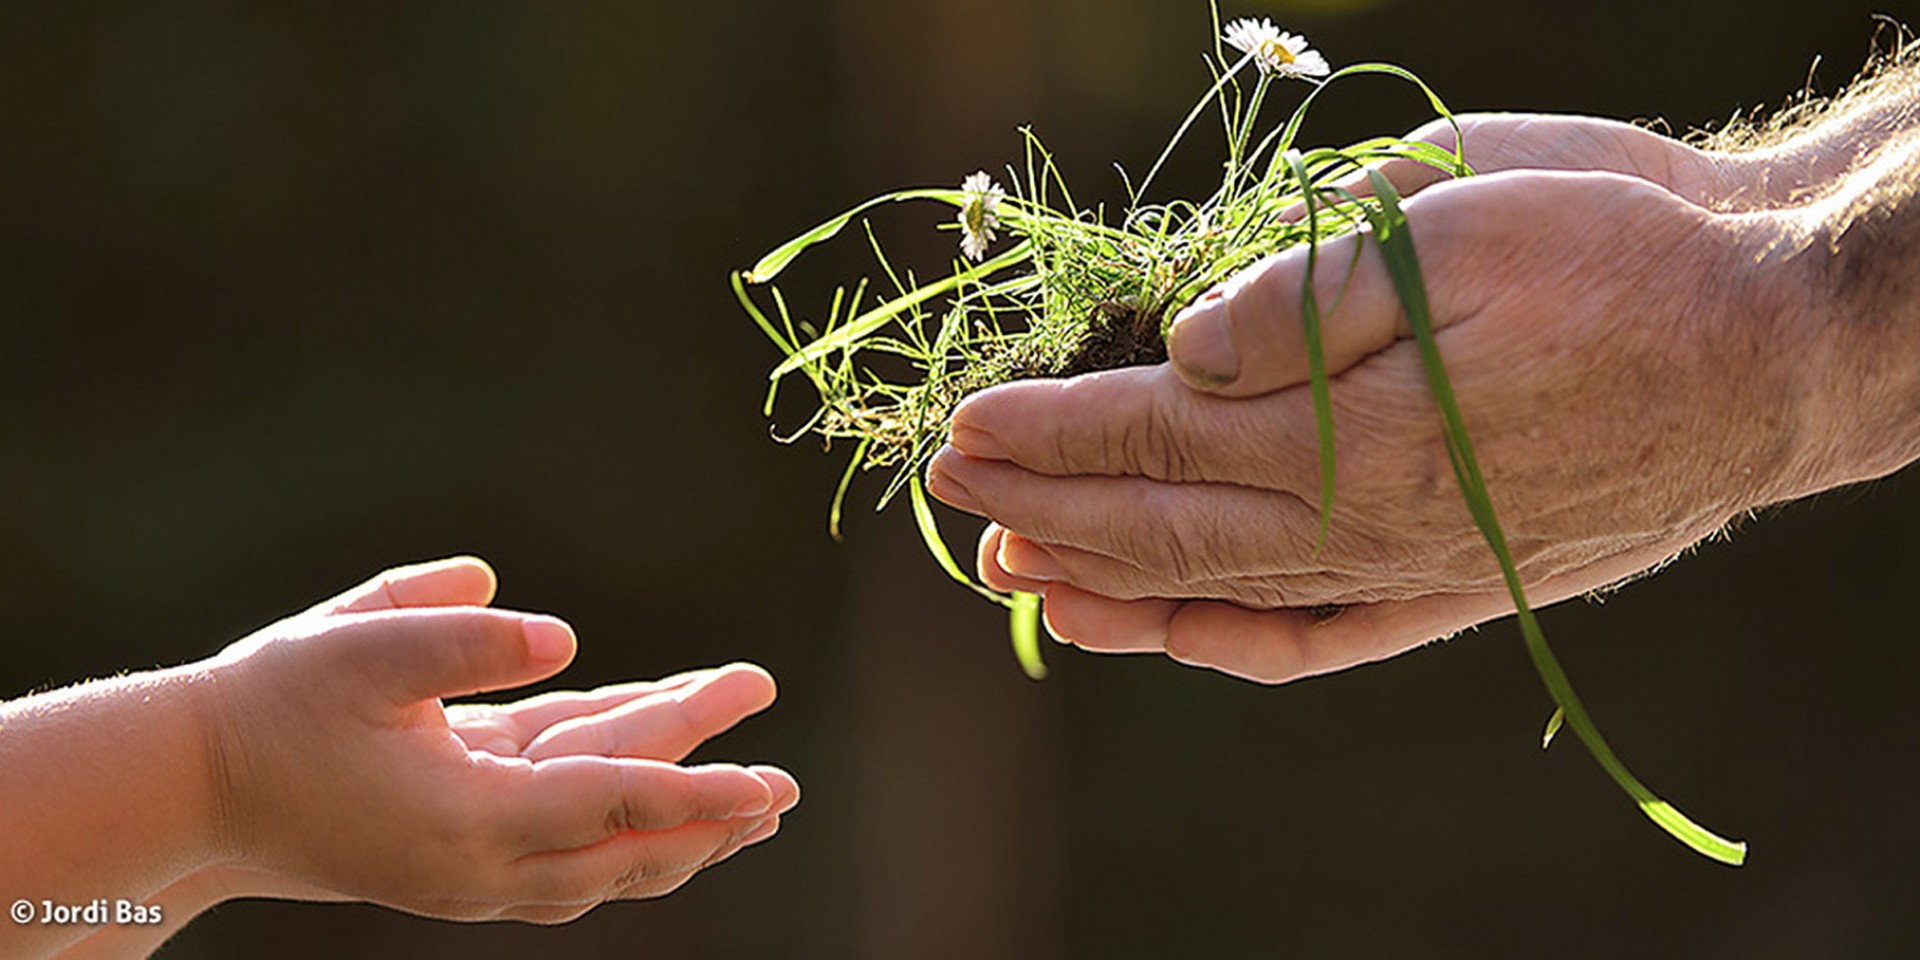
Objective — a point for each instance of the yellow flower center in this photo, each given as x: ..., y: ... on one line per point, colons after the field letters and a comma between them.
x: 1273, y: 49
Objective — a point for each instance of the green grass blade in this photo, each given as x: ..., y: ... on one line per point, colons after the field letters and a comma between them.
x: 937, y: 545
x: 1282, y: 138
x: 1316, y: 352
x: 753, y: 310
x: 840, y: 492
x: 861, y: 326
x: 1024, y: 621
x: 771, y: 264
x: 1553, y: 726
x: 1396, y: 247
x: 930, y: 532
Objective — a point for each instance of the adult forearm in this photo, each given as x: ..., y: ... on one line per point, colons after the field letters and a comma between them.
x: 106, y: 800
x: 1868, y: 254
x: 1808, y: 151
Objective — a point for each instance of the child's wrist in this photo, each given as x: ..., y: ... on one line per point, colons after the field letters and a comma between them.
x: 189, y: 740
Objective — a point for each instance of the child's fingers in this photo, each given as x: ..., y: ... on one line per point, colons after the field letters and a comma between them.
x: 744, y: 835
x: 785, y: 789
x: 414, y: 655
x: 538, y: 713
x: 506, y: 729
x: 662, y: 725
x: 452, y: 582
x: 632, y: 866
x: 567, y: 803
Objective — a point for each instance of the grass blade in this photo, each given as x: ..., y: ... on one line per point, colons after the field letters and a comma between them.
x: 853, y: 331
x: 1024, y: 620
x: 1316, y: 352
x: 771, y: 264
x: 840, y: 492
x: 1553, y: 726
x: 937, y: 545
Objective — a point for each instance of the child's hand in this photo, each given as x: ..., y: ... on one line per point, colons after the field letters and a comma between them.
x: 341, y: 776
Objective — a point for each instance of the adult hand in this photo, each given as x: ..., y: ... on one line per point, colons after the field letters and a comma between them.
x: 1637, y: 363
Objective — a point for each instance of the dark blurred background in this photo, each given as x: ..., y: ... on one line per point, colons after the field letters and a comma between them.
x: 293, y: 292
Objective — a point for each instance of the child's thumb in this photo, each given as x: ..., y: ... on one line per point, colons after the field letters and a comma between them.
x: 413, y: 655
x: 452, y: 582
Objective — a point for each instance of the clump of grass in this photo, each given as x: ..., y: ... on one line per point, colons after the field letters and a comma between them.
x: 1074, y: 290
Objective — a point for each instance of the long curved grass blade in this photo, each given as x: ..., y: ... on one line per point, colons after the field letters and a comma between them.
x: 937, y: 545
x: 1024, y: 622
x: 753, y: 310
x: 846, y: 480
x: 1282, y: 138
x: 1316, y: 352
x: 859, y: 327
x: 771, y: 264
x: 1396, y: 247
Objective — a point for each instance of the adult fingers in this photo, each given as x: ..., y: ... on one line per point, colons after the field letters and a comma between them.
x: 1267, y: 646
x: 1140, y: 421
x: 452, y: 582
x: 413, y: 655
x: 1225, y: 530
x: 665, y: 725
x: 1103, y: 625
x: 1123, y: 580
x: 572, y: 802
x: 1276, y: 646
x: 992, y: 572
x: 1503, y: 141
x: 1099, y: 624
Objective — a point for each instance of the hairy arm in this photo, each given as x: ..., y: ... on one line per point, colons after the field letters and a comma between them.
x: 1858, y: 237
x: 1814, y: 148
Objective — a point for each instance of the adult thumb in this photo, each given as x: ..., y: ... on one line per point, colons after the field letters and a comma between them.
x: 1248, y: 336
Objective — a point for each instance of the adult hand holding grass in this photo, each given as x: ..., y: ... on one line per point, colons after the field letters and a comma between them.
x: 1646, y: 340
x: 1158, y: 514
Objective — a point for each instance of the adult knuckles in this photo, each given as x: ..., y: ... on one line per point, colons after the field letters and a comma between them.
x: 1169, y: 534
x: 1154, y: 443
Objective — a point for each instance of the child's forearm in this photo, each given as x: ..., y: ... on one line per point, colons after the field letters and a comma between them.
x: 107, y: 797
x: 179, y: 903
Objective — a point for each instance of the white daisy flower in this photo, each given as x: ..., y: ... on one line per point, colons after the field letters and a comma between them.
x: 977, y: 214
x: 1276, y: 51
